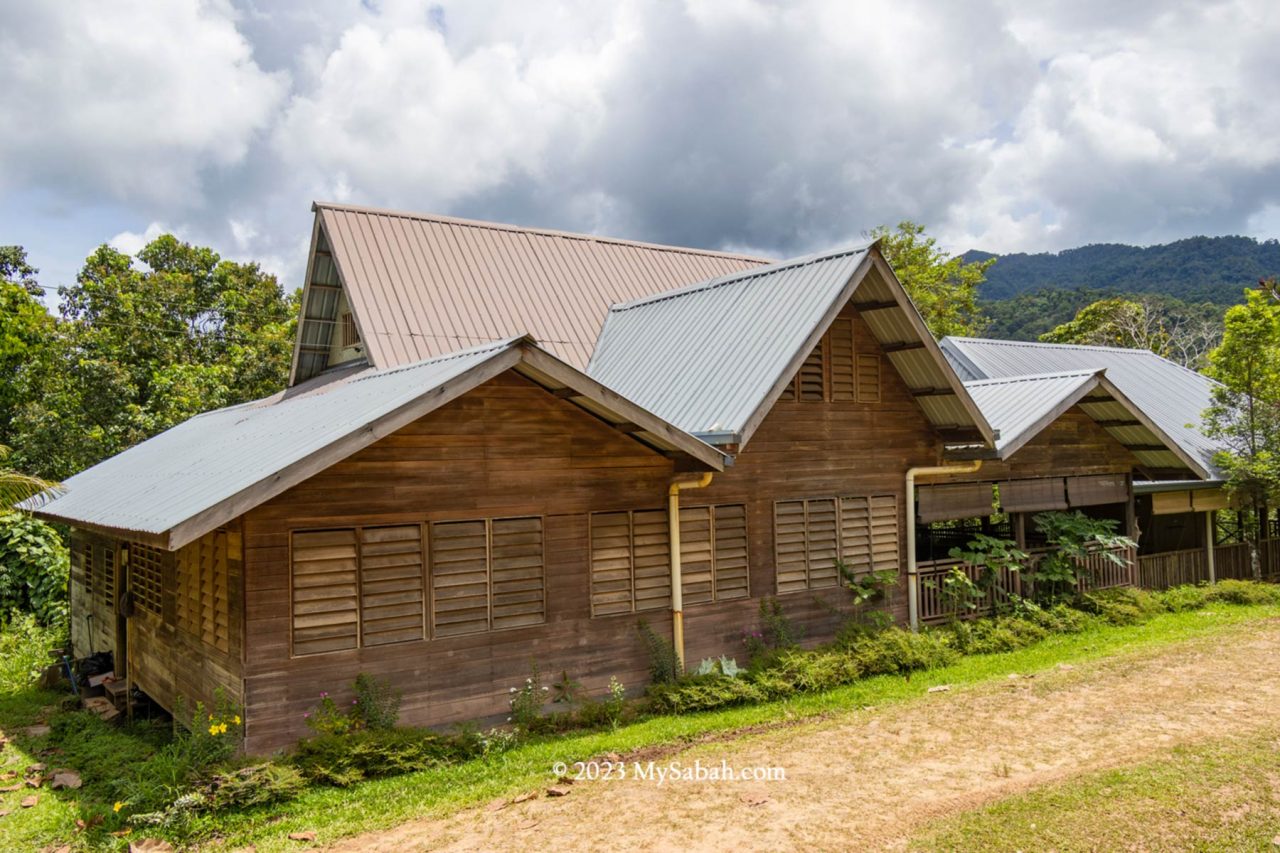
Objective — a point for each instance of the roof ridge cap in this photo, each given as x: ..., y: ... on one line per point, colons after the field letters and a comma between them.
x: 739, y: 277
x: 525, y: 229
x: 1027, y: 377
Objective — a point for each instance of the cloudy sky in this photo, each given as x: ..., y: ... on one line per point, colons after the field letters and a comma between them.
x: 777, y: 127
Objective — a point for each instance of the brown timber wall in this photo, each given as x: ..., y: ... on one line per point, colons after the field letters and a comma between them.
x: 510, y: 449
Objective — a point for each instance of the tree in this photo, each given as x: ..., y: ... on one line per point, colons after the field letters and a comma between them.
x: 14, y: 268
x: 1174, y: 330
x: 943, y: 287
x: 139, y: 349
x: 1245, y: 413
x: 26, y: 332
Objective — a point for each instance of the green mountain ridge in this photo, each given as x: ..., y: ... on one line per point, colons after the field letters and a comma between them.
x: 1026, y: 295
x: 1196, y: 269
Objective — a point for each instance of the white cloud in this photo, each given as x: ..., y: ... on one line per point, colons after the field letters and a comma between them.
x: 779, y: 126
x: 128, y: 100
x: 132, y: 242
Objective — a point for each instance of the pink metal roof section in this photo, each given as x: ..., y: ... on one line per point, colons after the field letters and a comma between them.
x: 423, y: 285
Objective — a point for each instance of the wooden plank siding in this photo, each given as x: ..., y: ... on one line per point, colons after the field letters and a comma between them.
x: 183, y: 640
x: 510, y: 450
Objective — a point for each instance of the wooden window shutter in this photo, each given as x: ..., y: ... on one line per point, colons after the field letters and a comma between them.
x: 517, y: 572
x: 697, y: 580
x: 86, y: 562
x: 885, y: 538
x: 145, y: 573
x: 790, y: 561
x: 350, y: 334
x: 811, y: 380
x: 651, y: 547
x: 611, y: 581
x: 855, y: 534
x: 109, y: 578
x: 732, y: 576
x: 326, y: 609
x: 868, y: 379
x: 186, y: 605
x: 821, y: 541
x: 201, y: 602
x: 843, y: 372
x: 392, y: 606
x: 218, y: 556
x: 459, y: 577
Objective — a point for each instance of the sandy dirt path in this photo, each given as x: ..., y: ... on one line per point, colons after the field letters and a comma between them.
x: 866, y: 779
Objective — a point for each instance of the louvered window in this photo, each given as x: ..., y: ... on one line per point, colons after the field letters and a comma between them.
x: 487, y: 574
x: 368, y: 586
x: 713, y: 553
x: 840, y: 346
x: 811, y: 536
x: 108, y: 590
x: 202, y: 601
x: 86, y: 569
x: 630, y: 562
x: 834, y: 372
x: 326, y: 605
x: 811, y: 385
x: 391, y: 587
x: 868, y: 379
x: 806, y: 543
x: 146, y: 569
x: 350, y: 334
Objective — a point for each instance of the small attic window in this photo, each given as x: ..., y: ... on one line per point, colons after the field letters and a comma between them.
x: 350, y: 334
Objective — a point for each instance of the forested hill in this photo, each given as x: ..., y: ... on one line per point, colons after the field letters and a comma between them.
x: 1198, y: 269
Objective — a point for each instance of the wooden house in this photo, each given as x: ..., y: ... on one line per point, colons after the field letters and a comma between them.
x: 505, y: 447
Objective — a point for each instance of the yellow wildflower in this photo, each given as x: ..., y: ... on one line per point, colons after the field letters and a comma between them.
x: 118, y: 806
x: 237, y: 719
x: 222, y: 729
x: 213, y: 729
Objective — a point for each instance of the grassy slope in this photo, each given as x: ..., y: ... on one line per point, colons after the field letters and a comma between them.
x: 334, y: 812
x: 1223, y: 796
x: 337, y: 812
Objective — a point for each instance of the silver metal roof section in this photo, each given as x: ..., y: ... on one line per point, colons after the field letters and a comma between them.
x: 1021, y: 407
x: 715, y: 356
x: 1172, y: 396
x: 188, y: 480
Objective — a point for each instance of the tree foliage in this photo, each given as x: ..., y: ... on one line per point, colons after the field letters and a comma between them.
x: 33, y: 569
x: 1245, y: 414
x: 943, y: 287
x: 140, y: 347
x: 1142, y: 322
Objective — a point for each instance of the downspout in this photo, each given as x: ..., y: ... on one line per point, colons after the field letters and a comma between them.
x: 913, y: 592
x: 677, y: 594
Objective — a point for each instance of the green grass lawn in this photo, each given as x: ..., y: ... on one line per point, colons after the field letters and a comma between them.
x: 1215, y: 796
x: 337, y: 812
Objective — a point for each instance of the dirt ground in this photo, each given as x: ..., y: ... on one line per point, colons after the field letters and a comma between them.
x: 869, y: 778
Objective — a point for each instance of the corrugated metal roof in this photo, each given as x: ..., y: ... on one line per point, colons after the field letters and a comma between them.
x: 162, y: 482
x: 1017, y: 404
x: 1172, y: 396
x: 422, y: 285
x: 214, y: 459
x: 707, y: 357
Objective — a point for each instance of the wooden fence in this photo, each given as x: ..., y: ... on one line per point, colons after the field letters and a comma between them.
x: 1101, y: 573
x: 1171, y: 568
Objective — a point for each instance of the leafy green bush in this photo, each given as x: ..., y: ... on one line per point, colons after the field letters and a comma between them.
x: 991, y: 636
x: 254, y: 785
x: 24, y: 651
x: 34, y: 568
x: 820, y: 669
x: 377, y: 703
x: 1122, y: 605
x: 703, y: 693
x: 344, y: 759
x: 1180, y: 599
x: 664, y: 665
x: 896, y: 650
x: 1244, y: 592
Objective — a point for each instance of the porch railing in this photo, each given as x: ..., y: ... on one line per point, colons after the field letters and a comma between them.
x: 1171, y: 568
x: 1101, y: 573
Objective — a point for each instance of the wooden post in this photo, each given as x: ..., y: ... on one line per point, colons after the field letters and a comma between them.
x: 1020, y: 536
x: 1131, y: 528
x: 1208, y: 545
